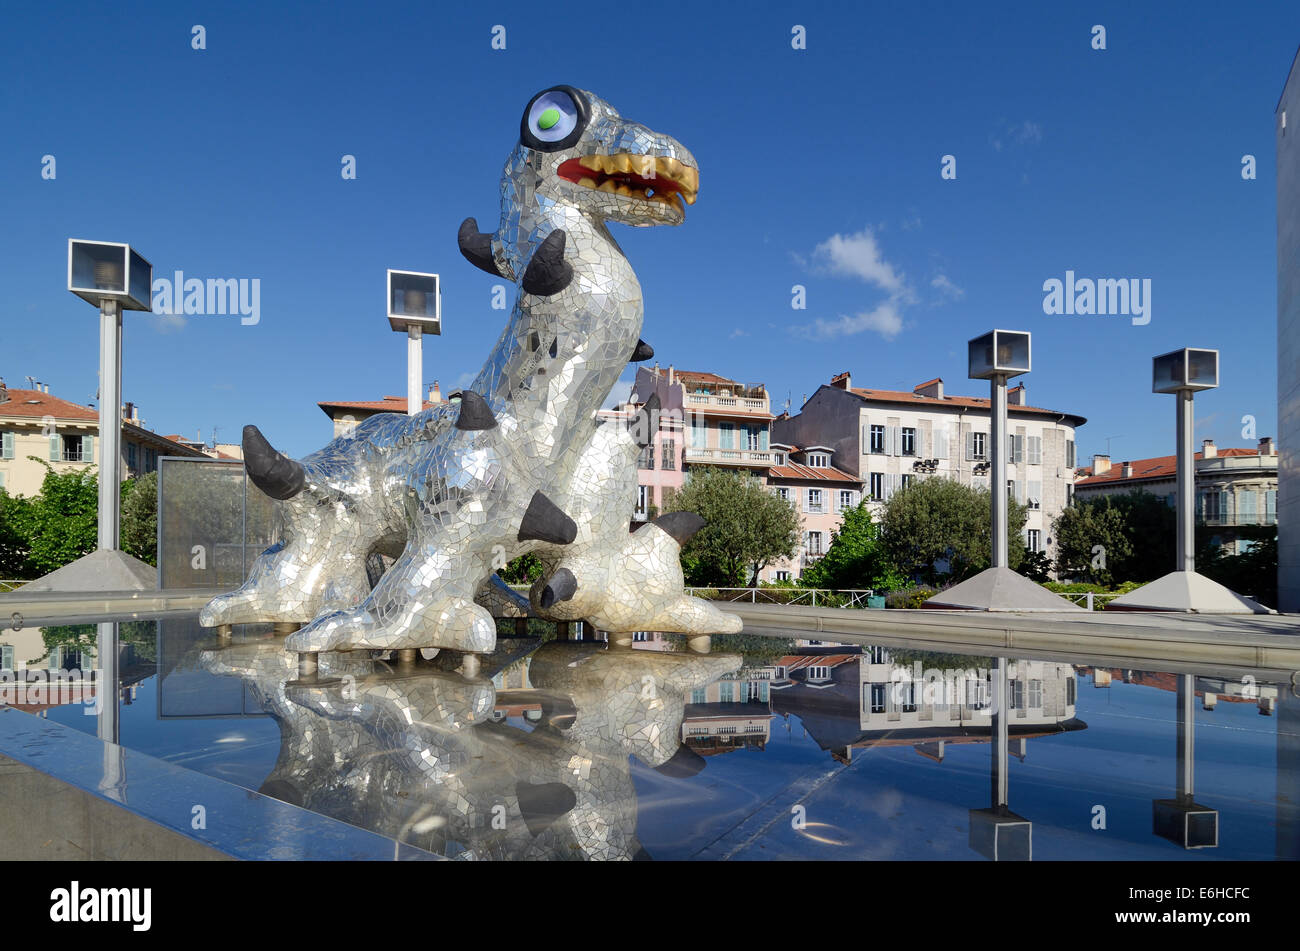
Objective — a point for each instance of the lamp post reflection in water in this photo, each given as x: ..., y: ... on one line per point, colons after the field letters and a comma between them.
x: 107, y: 691
x: 1182, y: 820
x: 997, y: 833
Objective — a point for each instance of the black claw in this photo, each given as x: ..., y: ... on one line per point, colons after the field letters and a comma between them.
x: 643, y: 428
x: 274, y: 473
x: 543, y: 803
x: 561, y: 587
x: 548, y: 273
x: 680, y: 525
x: 545, y: 522
x: 477, y: 247
x: 642, y: 352
x: 475, y: 413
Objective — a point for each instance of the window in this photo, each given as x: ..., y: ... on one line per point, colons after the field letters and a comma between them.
x: 977, y: 694
x: 909, y: 440
x: 878, y: 655
x: 726, y: 436
x: 699, y: 435
x: 907, y: 696
x: 646, y: 458
x: 906, y: 480
x: 668, y: 451
x: 878, y: 486
x: 1035, y: 499
x: 1016, y: 694
x: 878, y: 439
x: 976, y: 445
x: 783, y: 576
x: 1016, y: 449
x: 1035, y: 450
x: 150, y: 460
x: 783, y: 493
x: 877, y: 698
x: 131, y: 456
x: 813, y: 543
x: 700, y: 695
x: 1033, y: 540
x: 642, y: 498
x: 726, y: 691
x: 75, y: 448
x: 1069, y: 687
x: 6, y: 445
x: 819, y: 673
x: 755, y: 438
x: 1069, y: 454
x: 815, y: 506
x: 846, y: 499
x: 818, y: 460
x: 1035, y: 693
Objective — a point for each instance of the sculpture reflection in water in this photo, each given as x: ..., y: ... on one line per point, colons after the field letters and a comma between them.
x: 518, y: 462
x: 417, y: 754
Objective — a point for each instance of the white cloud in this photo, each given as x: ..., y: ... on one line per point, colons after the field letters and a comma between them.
x: 1016, y: 133
x: 947, y: 288
x: 168, y: 323
x: 885, y: 319
x: 738, y: 333
x: 858, y: 255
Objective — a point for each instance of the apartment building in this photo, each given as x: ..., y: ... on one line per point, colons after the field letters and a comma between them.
x: 346, y: 414
x: 888, y: 439
x: 33, y: 423
x: 807, y: 478
x: 725, y: 423
x: 1235, y: 487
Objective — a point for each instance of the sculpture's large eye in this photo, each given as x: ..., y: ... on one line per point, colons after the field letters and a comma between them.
x: 554, y: 119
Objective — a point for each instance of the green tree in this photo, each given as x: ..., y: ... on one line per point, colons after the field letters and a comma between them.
x: 938, y: 523
x: 746, y: 527
x: 523, y: 570
x: 15, y: 531
x: 856, y: 558
x: 1092, y: 542
x: 64, y: 519
x: 1252, y: 573
x: 140, y: 517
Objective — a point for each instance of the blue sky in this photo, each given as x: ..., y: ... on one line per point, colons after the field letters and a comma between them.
x: 819, y: 167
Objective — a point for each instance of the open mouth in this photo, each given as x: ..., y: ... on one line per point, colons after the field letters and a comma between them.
x: 643, y: 177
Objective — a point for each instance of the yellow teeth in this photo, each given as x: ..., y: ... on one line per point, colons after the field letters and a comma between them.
x: 648, y: 168
x: 587, y: 182
x: 607, y: 186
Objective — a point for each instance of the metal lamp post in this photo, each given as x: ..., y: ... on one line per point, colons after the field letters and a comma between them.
x: 1183, y: 373
x: 997, y: 356
x: 414, y: 308
x: 115, y: 278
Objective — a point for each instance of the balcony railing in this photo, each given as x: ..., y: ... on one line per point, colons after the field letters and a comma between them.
x: 752, y: 457
x: 730, y: 403
x: 1237, y: 520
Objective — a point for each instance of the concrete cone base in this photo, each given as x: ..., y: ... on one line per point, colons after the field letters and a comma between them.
x: 1000, y: 589
x: 101, y: 570
x: 1188, y: 592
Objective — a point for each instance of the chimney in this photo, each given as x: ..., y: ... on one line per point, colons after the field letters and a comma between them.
x: 1207, y: 449
x: 1016, y: 396
x: 1100, y: 464
x: 128, y: 412
x: 1127, y: 471
x: 1266, y: 446
x: 931, y: 388
x: 435, y: 394
x: 842, y: 380
x: 4, y: 391
x: 670, y: 374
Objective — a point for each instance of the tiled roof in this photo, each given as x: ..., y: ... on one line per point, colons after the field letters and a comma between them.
x: 972, y: 402
x: 389, y: 404
x: 1159, y: 467
x: 33, y: 403
x: 928, y: 383
x: 795, y: 470
x: 702, y: 377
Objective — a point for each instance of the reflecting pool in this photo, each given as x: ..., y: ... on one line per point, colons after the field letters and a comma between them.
x: 757, y: 748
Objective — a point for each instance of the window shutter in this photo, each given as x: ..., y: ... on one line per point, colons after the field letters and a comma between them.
x: 87, y: 448
x: 866, y: 437
x: 1270, y: 505
x: 1248, y: 503
x: 6, y: 445
x: 970, y: 446
x: 762, y: 439
x: 1036, y: 492
x: 940, y: 444
x: 55, y: 450
x: 1018, y: 449
x: 1035, y: 450
x: 1225, y: 504
x: 1020, y: 492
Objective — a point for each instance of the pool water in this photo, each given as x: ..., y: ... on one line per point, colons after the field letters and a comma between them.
x: 762, y: 748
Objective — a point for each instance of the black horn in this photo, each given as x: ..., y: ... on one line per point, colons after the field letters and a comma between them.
x: 273, y: 472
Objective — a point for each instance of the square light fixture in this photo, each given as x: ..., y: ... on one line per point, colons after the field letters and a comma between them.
x: 1186, y: 369
x: 998, y: 353
x: 100, y: 271
x: 414, y: 300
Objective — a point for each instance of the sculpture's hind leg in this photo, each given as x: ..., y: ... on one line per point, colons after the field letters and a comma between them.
x: 425, y: 600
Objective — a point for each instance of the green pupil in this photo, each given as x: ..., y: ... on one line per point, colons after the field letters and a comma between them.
x: 548, y: 119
